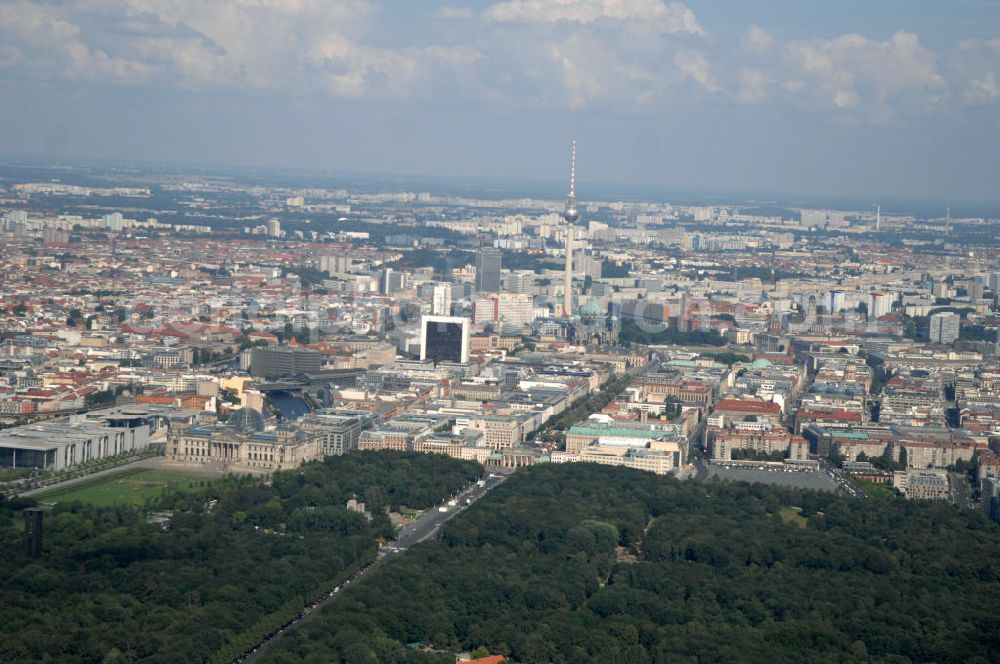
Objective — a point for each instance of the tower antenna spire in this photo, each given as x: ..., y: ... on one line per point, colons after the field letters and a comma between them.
x: 572, y: 171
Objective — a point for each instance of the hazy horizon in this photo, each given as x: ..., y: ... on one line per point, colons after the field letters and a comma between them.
x: 500, y: 187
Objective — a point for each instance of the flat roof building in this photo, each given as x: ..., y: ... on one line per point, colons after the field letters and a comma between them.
x: 488, y: 266
x: 444, y: 339
x: 283, y: 360
x: 581, y: 436
x: 338, y: 434
x: 60, y: 445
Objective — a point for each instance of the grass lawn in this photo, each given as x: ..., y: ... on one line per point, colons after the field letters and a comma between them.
x: 701, y: 349
x: 873, y: 489
x: 793, y: 516
x: 128, y: 487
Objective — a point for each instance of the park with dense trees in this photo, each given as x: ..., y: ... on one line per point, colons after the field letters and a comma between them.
x: 660, y: 334
x: 235, y: 560
x: 575, y: 563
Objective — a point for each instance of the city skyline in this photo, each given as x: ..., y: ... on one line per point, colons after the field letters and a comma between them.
x: 888, y: 101
x: 288, y: 287
x: 356, y: 349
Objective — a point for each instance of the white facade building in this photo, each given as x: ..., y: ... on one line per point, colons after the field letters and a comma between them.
x: 441, y: 300
x: 945, y: 327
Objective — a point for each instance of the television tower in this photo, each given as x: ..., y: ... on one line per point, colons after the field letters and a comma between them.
x: 878, y: 217
x: 571, y: 215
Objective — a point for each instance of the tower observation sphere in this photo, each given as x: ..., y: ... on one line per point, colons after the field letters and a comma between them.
x: 571, y: 215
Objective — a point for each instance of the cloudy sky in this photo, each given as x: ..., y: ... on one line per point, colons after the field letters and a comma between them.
x: 870, y: 98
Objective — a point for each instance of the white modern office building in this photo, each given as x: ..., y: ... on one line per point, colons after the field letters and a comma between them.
x: 80, y: 438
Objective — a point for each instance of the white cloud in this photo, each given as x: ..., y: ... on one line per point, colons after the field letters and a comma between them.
x: 655, y: 14
x: 588, y: 78
x: 585, y: 54
x: 357, y: 71
x: 694, y: 66
x: 976, y: 44
x: 758, y: 40
x: 983, y: 89
x: 31, y: 29
x: 753, y: 85
x: 974, y: 66
x: 578, y: 54
x: 853, y: 72
x: 455, y: 12
x: 265, y: 45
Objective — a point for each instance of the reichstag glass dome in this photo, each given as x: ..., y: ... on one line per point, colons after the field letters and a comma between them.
x: 247, y: 420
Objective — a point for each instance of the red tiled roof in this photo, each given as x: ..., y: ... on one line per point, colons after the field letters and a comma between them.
x: 740, y: 406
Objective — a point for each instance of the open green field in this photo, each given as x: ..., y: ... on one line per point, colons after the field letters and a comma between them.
x: 699, y: 348
x: 873, y: 489
x: 128, y: 487
x: 793, y: 515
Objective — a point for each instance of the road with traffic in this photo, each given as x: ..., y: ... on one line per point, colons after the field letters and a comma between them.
x: 424, y: 526
x: 959, y: 490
